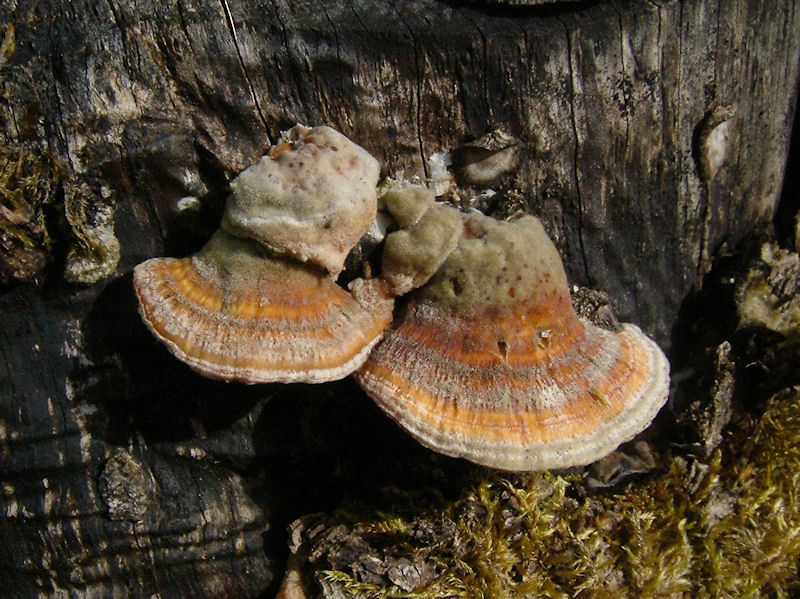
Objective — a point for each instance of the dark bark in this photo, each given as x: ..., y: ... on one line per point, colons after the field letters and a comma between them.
x: 87, y: 512
x: 652, y: 133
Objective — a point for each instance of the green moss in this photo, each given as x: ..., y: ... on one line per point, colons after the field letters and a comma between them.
x: 28, y: 184
x: 725, y: 526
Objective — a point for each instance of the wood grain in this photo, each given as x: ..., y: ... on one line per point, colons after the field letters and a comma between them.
x: 154, y: 103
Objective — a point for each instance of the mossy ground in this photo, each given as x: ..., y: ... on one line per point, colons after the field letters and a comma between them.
x: 725, y: 526
x: 709, y: 521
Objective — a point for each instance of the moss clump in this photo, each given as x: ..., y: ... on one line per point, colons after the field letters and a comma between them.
x: 725, y: 526
x: 28, y: 184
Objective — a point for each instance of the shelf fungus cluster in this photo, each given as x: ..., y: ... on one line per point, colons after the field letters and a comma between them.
x: 258, y: 303
x: 486, y: 359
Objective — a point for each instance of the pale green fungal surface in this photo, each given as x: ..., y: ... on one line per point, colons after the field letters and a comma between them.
x: 495, y: 264
x: 407, y: 204
x: 411, y: 256
x: 312, y: 197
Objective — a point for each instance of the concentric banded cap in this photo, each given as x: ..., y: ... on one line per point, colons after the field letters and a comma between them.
x: 489, y: 361
x: 236, y: 313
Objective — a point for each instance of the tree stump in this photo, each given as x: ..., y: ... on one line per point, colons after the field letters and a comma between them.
x: 652, y: 135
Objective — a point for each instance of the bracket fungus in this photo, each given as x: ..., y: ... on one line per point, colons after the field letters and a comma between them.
x: 233, y: 311
x: 256, y: 304
x: 336, y: 181
x: 489, y: 361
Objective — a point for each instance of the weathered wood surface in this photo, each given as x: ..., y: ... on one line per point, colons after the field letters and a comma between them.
x: 611, y: 102
x: 652, y: 132
x: 88, y: 509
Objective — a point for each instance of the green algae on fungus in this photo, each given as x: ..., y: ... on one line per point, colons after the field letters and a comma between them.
x: 312, y: 197
x: 411, y: 256
x: 499, y: 262
x: 725, y: 526
x: 406, y: 203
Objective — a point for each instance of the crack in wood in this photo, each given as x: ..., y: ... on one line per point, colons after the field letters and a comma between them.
x: 417, y: 90
x: 576, y: 150
x: 253, y: 95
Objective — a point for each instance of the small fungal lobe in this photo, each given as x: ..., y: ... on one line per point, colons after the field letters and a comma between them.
x: 483, y: 161
x: 413, y: 254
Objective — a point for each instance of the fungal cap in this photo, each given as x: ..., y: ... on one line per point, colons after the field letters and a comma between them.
x: 411, y: 256
x: 312, y: 197
x: 236, y: 313
x: 489, y: 361
x: 496, y: 265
